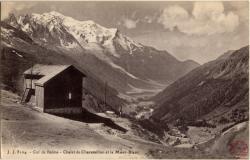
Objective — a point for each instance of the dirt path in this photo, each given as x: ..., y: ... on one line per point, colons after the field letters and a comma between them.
x: 233, y: 143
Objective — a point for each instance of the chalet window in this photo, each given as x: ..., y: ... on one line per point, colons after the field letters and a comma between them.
x: 70, y: 95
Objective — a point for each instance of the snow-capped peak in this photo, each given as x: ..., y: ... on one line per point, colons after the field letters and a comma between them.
x: 84, y: 33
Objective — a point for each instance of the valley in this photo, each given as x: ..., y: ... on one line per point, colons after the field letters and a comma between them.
x: 138, y: 101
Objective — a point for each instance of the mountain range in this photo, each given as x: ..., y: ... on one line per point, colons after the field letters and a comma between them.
x: 129, y: 67
x: 216, y: 91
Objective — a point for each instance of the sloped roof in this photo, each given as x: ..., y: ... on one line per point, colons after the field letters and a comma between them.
x: 47, y: 71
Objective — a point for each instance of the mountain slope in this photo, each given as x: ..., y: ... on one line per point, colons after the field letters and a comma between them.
x: 214, y: 90
x: 107, y: 53
x: 19, y: 52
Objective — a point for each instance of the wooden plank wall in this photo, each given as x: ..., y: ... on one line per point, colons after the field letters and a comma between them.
x: 39, y: 93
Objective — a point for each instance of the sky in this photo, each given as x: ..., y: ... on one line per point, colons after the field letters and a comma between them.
x: 201, y: 31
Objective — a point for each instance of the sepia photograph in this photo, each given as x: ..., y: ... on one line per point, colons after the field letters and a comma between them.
x: 124, y: 80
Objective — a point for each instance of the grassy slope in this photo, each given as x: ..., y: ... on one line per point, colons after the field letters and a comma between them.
x: 224, y: 145
x: 23, y: 127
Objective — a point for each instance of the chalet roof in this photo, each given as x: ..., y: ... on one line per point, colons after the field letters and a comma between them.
x: 47, y: 71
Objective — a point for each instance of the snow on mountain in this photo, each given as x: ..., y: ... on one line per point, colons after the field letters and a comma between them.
x: 108, y: 53
x: 6, y: 33
x: 85, y: 34
x: 123, y: 70
x: 82, y: 33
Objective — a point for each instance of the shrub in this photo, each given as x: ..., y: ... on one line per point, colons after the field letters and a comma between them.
x: 201, y: 123
x: 223, y: 120
x: 183, y: 128
x: 157, y: 128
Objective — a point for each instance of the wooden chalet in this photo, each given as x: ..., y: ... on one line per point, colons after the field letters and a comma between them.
x: 54, y: 88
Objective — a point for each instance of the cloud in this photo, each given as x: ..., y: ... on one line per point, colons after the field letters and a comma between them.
x: 241, y: 8
x: 129, y: 23
x: 9, y: 7
x: 148, y: 19
x: 6, y: 8
x: 207, y: 18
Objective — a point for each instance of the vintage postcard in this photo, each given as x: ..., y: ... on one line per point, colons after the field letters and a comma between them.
x: 124, y: 80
